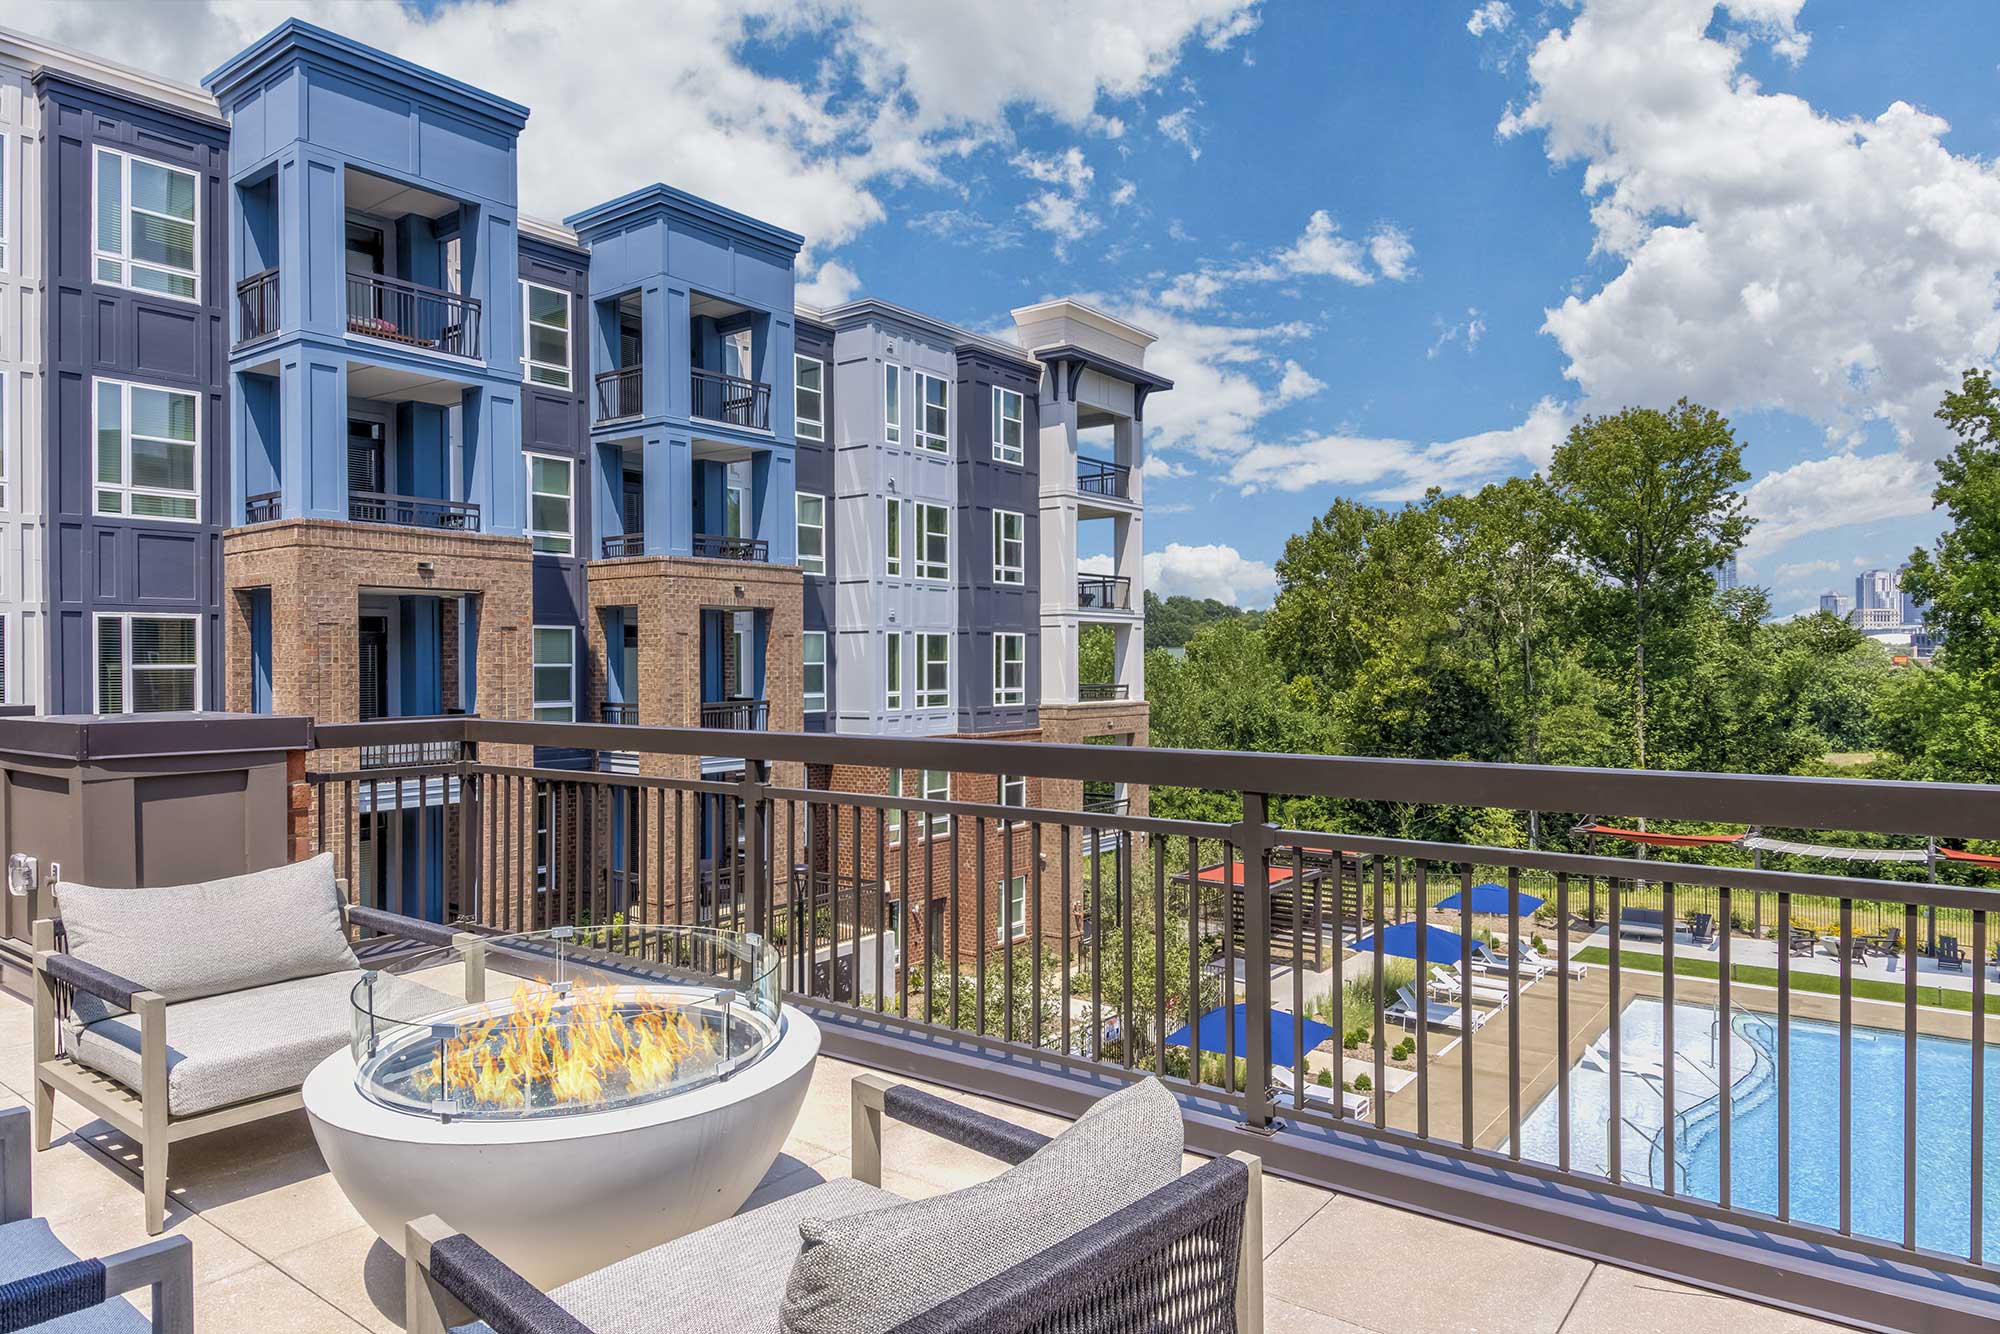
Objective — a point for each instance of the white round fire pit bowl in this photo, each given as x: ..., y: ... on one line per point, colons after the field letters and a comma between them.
x: 562, y: 1193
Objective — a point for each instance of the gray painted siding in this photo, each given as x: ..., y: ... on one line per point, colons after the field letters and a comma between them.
x: 815, y: 474
x: 23, y: 588
x: 985, y: 485
x: 100, y: 564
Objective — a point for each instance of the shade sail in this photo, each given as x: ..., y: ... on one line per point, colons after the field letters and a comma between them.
x: 1488, y: 898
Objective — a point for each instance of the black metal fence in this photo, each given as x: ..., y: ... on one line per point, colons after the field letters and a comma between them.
x: 1098, y: 477
x: 427, y: 318
x: 731, y: 399
x: 412, y: 511
x: 257, y: 306
x: 716, y: 546
x: 1104, y: 592
x: 262, y: 507
x: 620, y: 393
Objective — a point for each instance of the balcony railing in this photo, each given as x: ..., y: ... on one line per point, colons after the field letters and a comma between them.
x: 1099, y: 477
x: 619, y: 714
x: 620, y: 393
x: 1092, y: 691
x: 714, y: 546
x: 412, y: 511
x: 1104, y: 592
x: 736, y: 715
x: 629, y: 543
x: 262, y: 507
x: 257, y: 307
x: 413, y: 315
x: 731, y: 399
x: 411, y: 754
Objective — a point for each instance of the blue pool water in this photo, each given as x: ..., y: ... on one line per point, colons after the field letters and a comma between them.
x: 1944, y: 1121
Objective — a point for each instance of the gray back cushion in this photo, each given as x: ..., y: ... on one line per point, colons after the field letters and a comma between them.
x: 186, y: 941
x: 866, y: 1272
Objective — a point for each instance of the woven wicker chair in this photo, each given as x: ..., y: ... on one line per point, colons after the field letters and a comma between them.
x: 42, y: 1280
x: 1184, y: 1259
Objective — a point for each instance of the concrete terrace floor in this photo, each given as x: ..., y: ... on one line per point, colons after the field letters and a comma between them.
x: 277, y: 1246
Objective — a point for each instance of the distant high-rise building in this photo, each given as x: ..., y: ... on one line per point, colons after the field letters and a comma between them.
x: 1875, y: 590
x: 1726, y: 577
x: 1837, y: 603
x: 1913, y: 615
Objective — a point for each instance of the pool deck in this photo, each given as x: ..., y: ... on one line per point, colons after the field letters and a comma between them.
x: 278, y: 1247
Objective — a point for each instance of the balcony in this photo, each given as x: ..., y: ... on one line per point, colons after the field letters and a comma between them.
x: 257, y: 307
x: 730, y: 399
x: 262, y: 507
x: 631, y: 543
x: 619, y: 714
x: 1104, y: 592
x: 620, y: 393
x: 735, y: 715
x: 461, y: 516
x: 714, y: 546
x: 412, y: 315
x: 411, y: 754
x: 1091, y: 692
x: 1099, y: 477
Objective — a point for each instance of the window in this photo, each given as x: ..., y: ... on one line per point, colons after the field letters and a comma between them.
x: 812, y: 532
x: 147, y: 224
x: 892, y: 404
x: 1010, y: 547
x: 1014, y: 894
x: 1010, y: 669
x: 1013, y: 790
x: 933, y: 542
x: 148, y: 448
x: 925, y: 785
x: 808, y: 398
x: 546, y: 312
x: 148, y: 664
x: 1007, y: 426
x: 814, y: 654
x: 892, y: 667
x: 892, y: 537
x: 933, y: 413
x: 933, y: 671
x: 3, y: 201
x: 555, y: 674
x: 6, y: 435
x: 551, y: 483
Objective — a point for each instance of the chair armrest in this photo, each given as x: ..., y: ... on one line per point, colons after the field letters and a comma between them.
x: 102, y: 983
x: 166, y: 1266
x: 451, y: 1280
x: 395, y: 924
x: 874, y: 1097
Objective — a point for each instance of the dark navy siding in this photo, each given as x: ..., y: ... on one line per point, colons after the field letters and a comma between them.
x: 986, y: 485
x: 103, y: 564
x: 554, y: 421
x: 815, y: 474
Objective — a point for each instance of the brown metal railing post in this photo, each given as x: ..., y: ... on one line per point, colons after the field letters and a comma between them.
x: 751, y: 790
x: 1255, y: 835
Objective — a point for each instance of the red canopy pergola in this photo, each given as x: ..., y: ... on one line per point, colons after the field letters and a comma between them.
x: 1658, y: 840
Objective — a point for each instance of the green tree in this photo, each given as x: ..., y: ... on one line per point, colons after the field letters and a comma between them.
x: 1171, y: 622
x: 1647, y: 501
x: 1959, y: 582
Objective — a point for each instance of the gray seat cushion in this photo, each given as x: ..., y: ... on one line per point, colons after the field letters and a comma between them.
x: 865, y: 1272
x: 245, y: 1044
x: 28, y: 1247
x: 216, y: 936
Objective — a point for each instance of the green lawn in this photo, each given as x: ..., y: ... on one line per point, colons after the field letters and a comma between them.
x: 1945, y: 998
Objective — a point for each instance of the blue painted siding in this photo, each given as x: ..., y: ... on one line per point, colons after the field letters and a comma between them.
x: 814, y: 473
x: 99, y: 563
x: 985, y: 485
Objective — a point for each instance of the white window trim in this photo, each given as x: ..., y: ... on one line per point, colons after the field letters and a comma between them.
x: 799, y: 525
x: 124, y: 485
x: 125, y: 259
x: 926, y: 568
x: 535, y: 666
x: 1002, y: 697
x: 799, y: 423
x: 1019, y: 454
x: 892, y: 426
x: 125, y: 619
x: 1004, y: 917
x: 924, y: 437
x: 1007, y: 780
x: 892, y: 544
x: 927, y: 828
x: 7, y: 444
x: 568, y: 535
x: 807, y: 637
x: 926, y: 698
x: 1004, y: 573
x: 894, y: 665
x: 528, y: 364
x: 6, y: 194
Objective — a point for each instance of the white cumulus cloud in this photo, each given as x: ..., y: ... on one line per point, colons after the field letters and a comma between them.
x: 1320, y: 251
x: 1211, y: 571
x: 1391, y: 469
x: 1493, y: 16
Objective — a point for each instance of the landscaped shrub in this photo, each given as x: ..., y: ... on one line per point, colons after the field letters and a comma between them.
x: 1325, y: 1079
x: 1362, y: 1083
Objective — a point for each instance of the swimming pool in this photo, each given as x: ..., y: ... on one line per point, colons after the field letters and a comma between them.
x: 1944, y: 1121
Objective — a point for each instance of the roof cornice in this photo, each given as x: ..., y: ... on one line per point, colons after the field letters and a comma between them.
x: 39, y: 56
x: 660, y: 200
x: 869, y: 309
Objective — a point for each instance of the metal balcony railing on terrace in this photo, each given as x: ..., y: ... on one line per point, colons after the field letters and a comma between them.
x: 620, y: 393
x: 412, y: 511
x: 1104, y: 592
x: 262, y: 507
x: 730, y: 399
x: 413, y: 315
x: 1720, y: 1083
x: 735, y: 715
x: 714, y: 546
x: 1093, y: 691
x: 1100, y: 477
x: 257, y: 307
x: 411, y: 754
x: 619, y: 714
x: 629, y: 543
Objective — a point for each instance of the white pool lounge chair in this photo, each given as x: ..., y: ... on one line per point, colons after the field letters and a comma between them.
x: 1489, y: 962
x: 1447, y: 982
x: 1404, y: 1012
x: 1529, y: 954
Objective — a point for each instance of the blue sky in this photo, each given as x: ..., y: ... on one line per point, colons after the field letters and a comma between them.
x: 1384, y: 244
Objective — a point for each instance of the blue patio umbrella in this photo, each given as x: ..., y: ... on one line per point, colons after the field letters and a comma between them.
x: 1489, y: 898
x: 1440, y: 945
x: 1283, y: 1041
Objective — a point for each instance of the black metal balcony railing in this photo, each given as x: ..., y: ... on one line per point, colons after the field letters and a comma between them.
x: 736, y: 715
x: 411, y: 754
x: 262, y: 507
x: 620, y: 393
x: 631, y: 543
x: 714, y: 546
x: 731, y: 399
x: 619, y: 714
x: 412, y: 314
x: 1092, y: 691
x: 1099, y: 477
x: 1104, y: 592
x: 257, y: 307
x: 412, y: 511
